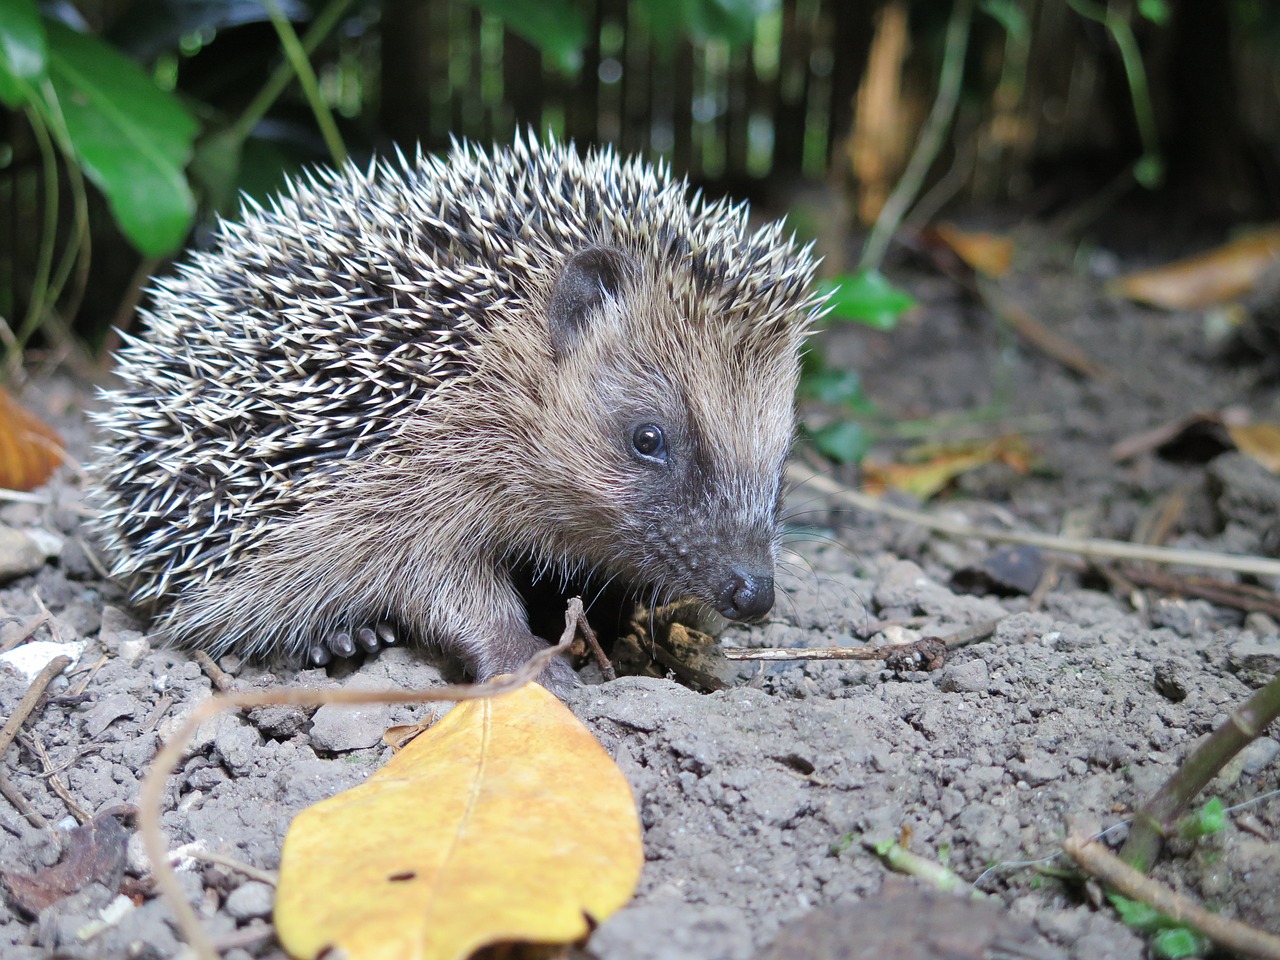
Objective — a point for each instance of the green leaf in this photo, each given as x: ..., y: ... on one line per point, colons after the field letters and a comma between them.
x: 23, y: 53
x: 867, y: 298
x: 1157, y: 11
x: 1209, y: 819
x: 556, y: 27
x: 1137, y: 915
x: 843, y: 441
x: 132, y: 139
x: 733, y: 21
x: 1179, y: 942
x: 840, y: 388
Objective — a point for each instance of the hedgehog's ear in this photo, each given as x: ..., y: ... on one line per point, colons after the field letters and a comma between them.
x: 586, y: 279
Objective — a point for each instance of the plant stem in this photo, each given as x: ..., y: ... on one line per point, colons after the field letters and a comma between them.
x: 931, y: 137
x: 1134, y: 71
x: 283, y: 74
x: 48, y: 231
x: 297, y: 57
x: 1244, y: 725
x: 1232, y: 934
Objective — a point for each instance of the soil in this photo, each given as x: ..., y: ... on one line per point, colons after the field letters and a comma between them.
x: 756, y: 800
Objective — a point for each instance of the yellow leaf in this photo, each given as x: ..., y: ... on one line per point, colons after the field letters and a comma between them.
x: 506, y: 821
x: 988, y: 253
x: 1258, y: 441
x: 939, y: 465
x: 30, y: 449
x: 1220, y: 275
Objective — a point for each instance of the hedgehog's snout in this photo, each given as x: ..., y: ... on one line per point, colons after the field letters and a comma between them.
x: 745, y: 594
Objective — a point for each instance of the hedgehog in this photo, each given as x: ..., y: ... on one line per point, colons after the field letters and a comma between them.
x: 355, y: 414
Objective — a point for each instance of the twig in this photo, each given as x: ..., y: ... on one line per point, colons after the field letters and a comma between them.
x: 219, y: 677
x: 1238, y: 595
x: 884, y: 651
x: 19, y: 803
x: 1089, y: 547
x: 593, y: 643
x: 27, y: 630
x: 1041, y: 337
x: 1235, y: 936
x: 152, y: 791
x: 55, y: 782
x: 239, y: 866
x: 89, y: 675
x: 1244, y: 725
x: 30, y: 699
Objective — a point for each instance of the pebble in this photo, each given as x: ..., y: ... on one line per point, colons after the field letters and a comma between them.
x: 250, y: 900
x: 19, y: 554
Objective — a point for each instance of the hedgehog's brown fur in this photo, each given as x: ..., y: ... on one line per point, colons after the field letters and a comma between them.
x: 368, y: 402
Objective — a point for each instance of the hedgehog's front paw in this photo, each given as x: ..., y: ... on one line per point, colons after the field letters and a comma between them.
x: 343, y: 644
x: 559, y: 678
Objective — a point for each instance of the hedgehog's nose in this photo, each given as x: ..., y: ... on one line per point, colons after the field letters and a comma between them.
x: 745, y: 595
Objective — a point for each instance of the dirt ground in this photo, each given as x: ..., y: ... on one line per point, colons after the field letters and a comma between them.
x: 756, y: 799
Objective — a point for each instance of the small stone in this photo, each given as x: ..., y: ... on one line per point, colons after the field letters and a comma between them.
x: 19, y: 554
x: 1171, y: 676
x: 102, y: 714
x: 1259, y: 755
x: 1256, y: 660
x: 339, y: 728
x: 1037, y: 770
x: 250, y: 900
x: 970, y: 677
x: 279, y: 722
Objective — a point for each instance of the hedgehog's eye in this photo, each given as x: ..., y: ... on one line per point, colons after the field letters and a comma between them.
x: 649, y: 442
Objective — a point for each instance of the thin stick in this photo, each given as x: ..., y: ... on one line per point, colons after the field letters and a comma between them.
x: 217, y: 675
x: 978, y: 631
x: 30, y: 699
x: 239, y: 866
x: 1235, y: 936
x: 152, y: 791
x: 55, y: 782
x: 1089, y: 547
x: 19, y: 803
x: 1244, y: 725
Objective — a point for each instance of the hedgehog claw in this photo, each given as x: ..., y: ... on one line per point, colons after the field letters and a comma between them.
x: 367, y: 639
x: 341, y: 645
x: 319, y: 655
x: 386, y: 633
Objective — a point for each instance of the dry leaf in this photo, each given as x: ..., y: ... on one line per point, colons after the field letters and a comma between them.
x: 988, y: 253
x: 30, y: 449
x: 940, y: 465
x: 1218, y: 276
x: 1260, y: 442
x: 506, y: 821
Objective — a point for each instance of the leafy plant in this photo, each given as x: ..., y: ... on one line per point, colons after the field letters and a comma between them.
x: 1169, y: 938
x: 1208, y: 820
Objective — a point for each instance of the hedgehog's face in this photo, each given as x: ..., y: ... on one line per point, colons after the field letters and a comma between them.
x: 670, y: 437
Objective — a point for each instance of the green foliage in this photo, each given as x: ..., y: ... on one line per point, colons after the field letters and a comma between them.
x: 1170, y: 938
x: 733, y: 21
x: 131, y: 139
x: 867, y: 297
x: 844, y: 441
x: 556, y: 27
x: 1209, y: 819
x: 107, y: 117
x: 22, y: 50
